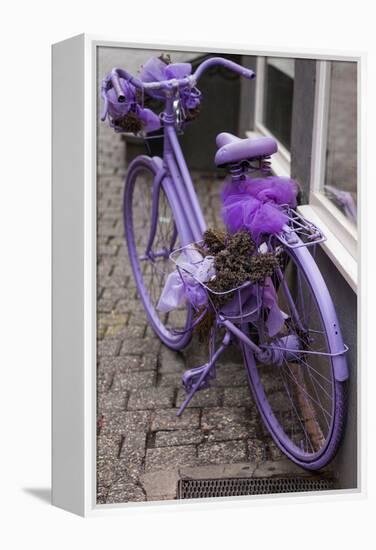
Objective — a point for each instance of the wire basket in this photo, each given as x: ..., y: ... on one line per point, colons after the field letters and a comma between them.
x: 238, y: 304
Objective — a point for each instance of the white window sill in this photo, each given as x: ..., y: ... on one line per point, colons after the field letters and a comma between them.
x: 339, y: 255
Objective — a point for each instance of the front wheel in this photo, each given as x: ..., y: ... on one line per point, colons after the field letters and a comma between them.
x: 301, y: 392
x: 150, y: 241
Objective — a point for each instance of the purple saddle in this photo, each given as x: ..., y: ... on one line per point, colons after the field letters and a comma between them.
x: 234, y: 149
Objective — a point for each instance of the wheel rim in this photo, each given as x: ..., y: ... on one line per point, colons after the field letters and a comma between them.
x: 298, y: 397
x: 152, y: 267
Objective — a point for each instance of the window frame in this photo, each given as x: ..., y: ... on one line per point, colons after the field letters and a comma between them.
x: 345, y: 231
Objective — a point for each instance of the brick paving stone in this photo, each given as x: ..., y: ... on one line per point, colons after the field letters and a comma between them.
x: 133, y: 440
x: 170, y: 379
x: 237, y: 397
x: 101, y: 332
x: 132, y: 380
x: 222, y: 453
x: 166, y: 419
x: 139, y: 346
x: 113, y: 401
x: 273, y: 452
x: 179, y: 437
x: 152, y: 398
x: 105, y: 306
x: 231, y: 375
x: 125, y: 490
x: 107, y: 250
x: 210, y: 397
x: 130, y: 463
x: 108, y: 346
x: 102, y: 492
x: 231, y: 433
x: 257, y: 450
x: 128, y: 304
x: 127, y: 332
x: 149, y: 361
x: 171, y: 362
x: 163, y: 458
x: 108, y: 447
x: 220, y: 418
x: 139, y: 318
x: 124, y: 423
x: 104, y: 380
x: 116, y: 294
x: 131, y: 363
x: 111, y: 320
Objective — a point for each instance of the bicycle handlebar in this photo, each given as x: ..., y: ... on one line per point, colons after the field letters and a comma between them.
x: 190, y: 80
x: 231, y: 65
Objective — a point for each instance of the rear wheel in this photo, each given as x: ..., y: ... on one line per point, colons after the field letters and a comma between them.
x: 299, y: 392
x: 152, y: 266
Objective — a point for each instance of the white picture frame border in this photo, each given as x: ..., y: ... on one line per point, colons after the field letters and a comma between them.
x: 74, y: 122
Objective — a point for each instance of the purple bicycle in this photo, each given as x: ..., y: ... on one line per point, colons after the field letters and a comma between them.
x: 284, y: 321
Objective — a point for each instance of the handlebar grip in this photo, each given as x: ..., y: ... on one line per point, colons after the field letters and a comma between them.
x: 117, y: 87
x: 227, y: 63
x: 248, y: 73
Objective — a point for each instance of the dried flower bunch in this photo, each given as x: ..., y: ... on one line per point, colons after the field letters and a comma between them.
x: 130, y: 122
x: 236, y: 260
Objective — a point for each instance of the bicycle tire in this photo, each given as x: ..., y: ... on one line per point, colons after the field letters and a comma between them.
x: 172, y: 330
x: 276, y: 422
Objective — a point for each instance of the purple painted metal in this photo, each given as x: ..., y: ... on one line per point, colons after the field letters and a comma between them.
x: 191, y: 204
x: 203, y: 372
x: 233, y: 149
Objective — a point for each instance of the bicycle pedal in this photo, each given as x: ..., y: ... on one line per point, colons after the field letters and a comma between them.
x: 192, y: 377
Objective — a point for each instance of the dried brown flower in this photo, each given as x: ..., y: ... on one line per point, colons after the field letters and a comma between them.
x: 130, y: 122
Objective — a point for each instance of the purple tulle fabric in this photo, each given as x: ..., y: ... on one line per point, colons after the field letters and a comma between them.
x: 254, y: 204
x: 155, y: 70
x: 116, y: 110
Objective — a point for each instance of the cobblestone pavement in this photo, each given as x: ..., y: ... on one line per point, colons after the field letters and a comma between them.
x: 143, y: 447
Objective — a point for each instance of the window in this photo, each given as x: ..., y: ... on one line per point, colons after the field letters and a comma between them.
x: 273, y: 107
x: 333, y: 189
x: 340, y: 183
x: 334, y: 164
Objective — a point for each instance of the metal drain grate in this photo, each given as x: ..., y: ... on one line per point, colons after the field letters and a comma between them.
x: 229, y: 487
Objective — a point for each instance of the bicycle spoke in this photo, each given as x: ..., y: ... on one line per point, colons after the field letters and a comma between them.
x: 305, y: 380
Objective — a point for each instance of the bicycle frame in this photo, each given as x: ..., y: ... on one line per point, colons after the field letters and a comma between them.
x: 173, y: 175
